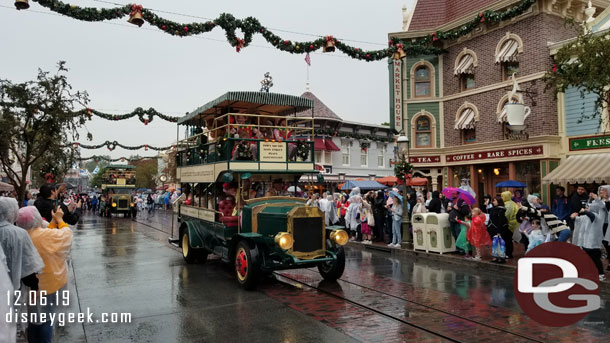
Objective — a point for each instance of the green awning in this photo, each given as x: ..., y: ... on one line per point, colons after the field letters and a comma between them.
x: 263, y: 102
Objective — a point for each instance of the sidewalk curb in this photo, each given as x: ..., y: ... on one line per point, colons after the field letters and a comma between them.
x: 449, y: 258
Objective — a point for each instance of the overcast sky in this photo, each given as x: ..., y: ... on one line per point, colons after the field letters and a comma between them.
x: 123, y: 66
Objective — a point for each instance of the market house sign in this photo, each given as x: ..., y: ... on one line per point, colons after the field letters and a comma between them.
x: 424, y: 159
x: 494, y: 154
x: 397, y: 94
x: 588, y: 143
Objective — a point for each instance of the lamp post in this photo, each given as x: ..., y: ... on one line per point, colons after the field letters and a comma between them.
x: 403, y: 152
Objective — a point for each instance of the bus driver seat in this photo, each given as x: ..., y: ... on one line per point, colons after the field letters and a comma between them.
x: 226, y: 207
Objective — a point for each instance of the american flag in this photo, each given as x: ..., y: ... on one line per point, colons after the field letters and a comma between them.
x: 307, y: 59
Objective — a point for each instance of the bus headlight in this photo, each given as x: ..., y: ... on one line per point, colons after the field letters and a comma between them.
x: 339, y: 236
x: 284, y: 240
x: 114, y: 204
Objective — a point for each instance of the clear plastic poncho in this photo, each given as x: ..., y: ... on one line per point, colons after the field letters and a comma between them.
x: 21, y: 255
x: 589, y: 234
x: 8, y: 331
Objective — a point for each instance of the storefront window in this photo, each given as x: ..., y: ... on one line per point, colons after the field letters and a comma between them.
x: 528, y: 172
x: 423, y: 132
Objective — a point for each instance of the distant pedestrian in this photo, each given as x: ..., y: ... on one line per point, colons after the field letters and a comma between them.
x: 578, y: 201
x: 477, y: 233
x: 560, y: 204
x: 420, y: 205
x: 462, y: 240
x: 435, y: 204
x: 397, y: 213
x: 498, y: 229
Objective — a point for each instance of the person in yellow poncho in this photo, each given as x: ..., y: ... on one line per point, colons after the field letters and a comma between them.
x: 513, y: 224
x: 53, y: 245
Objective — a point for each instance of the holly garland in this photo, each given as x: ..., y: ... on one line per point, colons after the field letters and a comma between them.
x: 145, y: 116
x: 243, y: 151
x: 403, y: 170
x: 122, y: 159
x: 113, y: 145
x: 302, y: 150
x: 374, y: 138
x: 250, y: 26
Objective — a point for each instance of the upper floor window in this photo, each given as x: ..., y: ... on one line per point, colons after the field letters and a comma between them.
x: 508, y: 69
x: 466, y: 82
x: 423, y: 132
x: 364, y: 157
x: 465, y: 63
x: 507, y: 52
x: 345, y: 153
x: 422, y: 81
x: 465, y: 121
x: 381, y: 148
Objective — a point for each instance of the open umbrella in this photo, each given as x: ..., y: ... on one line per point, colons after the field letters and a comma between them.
x: 462, y: 194
x: 394, y: 194
x: 388, y: 180
x: 291, y: 189
x: 511, y: 184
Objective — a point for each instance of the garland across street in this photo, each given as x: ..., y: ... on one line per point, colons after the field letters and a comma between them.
x: 249, y: 26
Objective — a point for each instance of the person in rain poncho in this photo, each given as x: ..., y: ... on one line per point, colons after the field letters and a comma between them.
x: 8, y: 330
x: 329, y: 208
x: 53, y: 244
x: 604, y: 195
x: 352, y: 214
x: 465, y: 185
x: 588, y: 231
x: 511, y: 216
x: 22, y: 258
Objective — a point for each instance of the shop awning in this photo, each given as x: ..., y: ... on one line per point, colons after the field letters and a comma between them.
x: 466, y: 120
x: 465, y: 65
x: 367, y: 184
x: 581, y: 169
x: 508, y: 52
x: 330, y: 145
x: 319, y: 145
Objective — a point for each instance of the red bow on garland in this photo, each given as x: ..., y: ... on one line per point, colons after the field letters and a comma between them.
x: 240, y: 44
x: 330, y: 38
x: 135, y: 9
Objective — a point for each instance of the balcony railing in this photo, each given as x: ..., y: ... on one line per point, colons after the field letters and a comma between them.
x: 255, y: 150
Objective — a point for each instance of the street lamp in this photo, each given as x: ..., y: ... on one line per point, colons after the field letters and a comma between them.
x: 403, y: 152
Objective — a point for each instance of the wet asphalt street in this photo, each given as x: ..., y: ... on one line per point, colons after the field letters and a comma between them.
x: 120, y: 265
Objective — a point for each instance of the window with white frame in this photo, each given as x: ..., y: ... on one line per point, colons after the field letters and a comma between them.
x: 364, y: 157
x: 381, y: 148
x: 328, y: 158
x: 345, y: 153
x: 319, y: 156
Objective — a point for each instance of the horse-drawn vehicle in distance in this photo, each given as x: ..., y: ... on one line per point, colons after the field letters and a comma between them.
x: 242, y: 154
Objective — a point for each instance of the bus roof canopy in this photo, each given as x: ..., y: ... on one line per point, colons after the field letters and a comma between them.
x: 249, y: 102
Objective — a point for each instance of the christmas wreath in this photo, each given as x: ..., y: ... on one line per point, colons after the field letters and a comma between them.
x: 403, y: 170
x: 243, y: 151
x: 302, y: 151
x: 221, y: 149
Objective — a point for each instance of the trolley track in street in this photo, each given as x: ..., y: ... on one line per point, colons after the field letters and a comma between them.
x: 517, y: 336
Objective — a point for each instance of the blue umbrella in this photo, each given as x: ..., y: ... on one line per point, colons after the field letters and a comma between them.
x: 394, y: 194
x: 511, y: 184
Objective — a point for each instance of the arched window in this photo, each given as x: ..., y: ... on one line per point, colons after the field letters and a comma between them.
x: 465, y: 62
x: 507, y: 52
x: 422, y: 81
x: 423, y: 132
x: 465, y: 121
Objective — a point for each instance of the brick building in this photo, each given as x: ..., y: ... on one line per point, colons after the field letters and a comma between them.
x: 451, y: 105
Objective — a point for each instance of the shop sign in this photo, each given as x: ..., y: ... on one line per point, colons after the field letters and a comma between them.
x: 424, y: 159
x: 273, y: 152
x: 588, y: 143
x: 397, y: 94
x: 494, y: 154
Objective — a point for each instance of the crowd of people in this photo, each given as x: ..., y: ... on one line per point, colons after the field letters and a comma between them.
x: 490, y: 228
x: 35, y: 242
